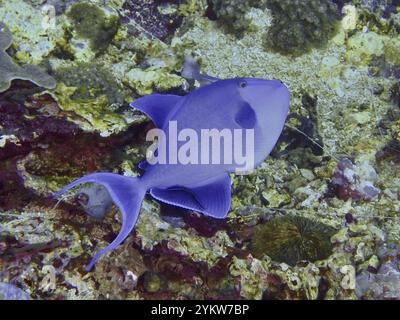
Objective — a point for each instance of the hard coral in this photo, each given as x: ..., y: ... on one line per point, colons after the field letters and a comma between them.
x: 300, y: 25
x: 153, y: 16
x: 382, y: 16
x: 232, y: 13
x: 92, y: 79
x: 91, y: 23
x: 10, y: 71
x: 291, y: 239
x: 354, y: 181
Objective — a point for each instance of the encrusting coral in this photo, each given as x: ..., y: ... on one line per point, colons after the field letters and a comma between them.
x: 9, y: 70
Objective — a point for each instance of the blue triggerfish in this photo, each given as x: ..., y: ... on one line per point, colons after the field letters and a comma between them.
x: 182, y: 176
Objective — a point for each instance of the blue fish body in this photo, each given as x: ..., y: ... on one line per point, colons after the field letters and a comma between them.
x: 235, y: 104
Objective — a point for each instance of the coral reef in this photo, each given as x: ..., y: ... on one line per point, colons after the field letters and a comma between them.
x: 91, y: 23
x: 299, y: 26
x: 157, y: 18
x: 236, y: 14
x: 35, y: 38
x: 381, y: 16
x: 292, y: 239
x: 332, y: 181
x: 354, y: 182
x: 383, y: 282
x: 10, y: 71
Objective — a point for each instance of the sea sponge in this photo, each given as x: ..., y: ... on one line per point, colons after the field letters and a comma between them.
x: 300, y: 25
x: 90, y: 22
x: 10, y: 71
x: 232, y: 13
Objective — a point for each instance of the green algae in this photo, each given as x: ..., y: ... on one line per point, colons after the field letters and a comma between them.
x: 91, y: 114
x: 145, y: 80
x: 91, y: 23
x: 10, y: 71
x: 300, y: 25
x: 92, y: 80
x: 33, y: 39
x: 234, y: 15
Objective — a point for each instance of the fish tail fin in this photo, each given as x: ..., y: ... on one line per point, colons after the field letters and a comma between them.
x: 127, y: 193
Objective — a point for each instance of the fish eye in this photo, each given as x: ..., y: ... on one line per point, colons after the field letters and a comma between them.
x: 243, y: 84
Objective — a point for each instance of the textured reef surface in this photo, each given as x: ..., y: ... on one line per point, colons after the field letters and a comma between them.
x: 319, y: 219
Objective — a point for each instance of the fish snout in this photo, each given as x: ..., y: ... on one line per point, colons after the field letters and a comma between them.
x: 276, y: 84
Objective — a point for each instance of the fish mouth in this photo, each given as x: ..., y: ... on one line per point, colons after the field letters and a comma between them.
x: 279, y: 85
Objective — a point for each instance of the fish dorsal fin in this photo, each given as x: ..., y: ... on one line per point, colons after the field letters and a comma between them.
x: 191, y: 71
x: 212, y: 198
x: 246, y: 117
x: 157, y: 106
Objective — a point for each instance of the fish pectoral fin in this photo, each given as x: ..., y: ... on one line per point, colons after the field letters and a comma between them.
x: 246, y: 117
x: 157, y: 106
x: 143, y: 165
x: 213, y: 198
